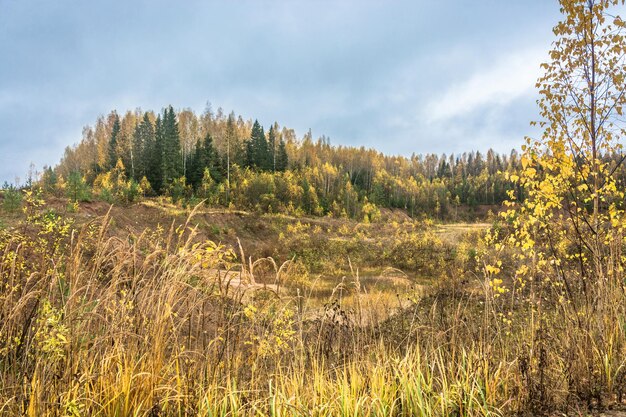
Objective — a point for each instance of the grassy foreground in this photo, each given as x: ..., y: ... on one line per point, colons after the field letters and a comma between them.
x: 92, y: 324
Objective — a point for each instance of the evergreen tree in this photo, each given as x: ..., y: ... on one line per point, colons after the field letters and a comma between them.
x: 306, y: 196
x: 444, y: 168
x: 257, y: 154
x: 49, y: 180
x: 204, y: 157
x: 281, y: 157
x: 271, y: 143
x: 154, y: 172
x: 112, y: 153
x: 137, y: 169
x: 171, y: 156
x: 143, y: 142
x: 12, y: 199
x: 76, y: 189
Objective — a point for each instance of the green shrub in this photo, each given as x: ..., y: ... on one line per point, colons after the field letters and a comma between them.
x: 77, y: 189
x: 12, y: 201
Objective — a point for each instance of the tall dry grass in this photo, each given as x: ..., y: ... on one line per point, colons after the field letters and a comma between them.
x: 93, y: 324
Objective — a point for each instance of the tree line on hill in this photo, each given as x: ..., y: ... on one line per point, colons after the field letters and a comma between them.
x: 232, y: 162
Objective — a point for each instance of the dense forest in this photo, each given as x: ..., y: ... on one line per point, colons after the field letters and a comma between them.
x: 233, y: 162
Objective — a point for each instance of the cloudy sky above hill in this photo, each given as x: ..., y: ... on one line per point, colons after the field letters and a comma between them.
x: 401, y: 76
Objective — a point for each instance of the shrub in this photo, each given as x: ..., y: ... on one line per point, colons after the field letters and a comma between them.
x: 12, y: 200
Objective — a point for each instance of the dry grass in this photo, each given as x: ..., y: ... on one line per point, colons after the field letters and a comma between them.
x: 95, y: 325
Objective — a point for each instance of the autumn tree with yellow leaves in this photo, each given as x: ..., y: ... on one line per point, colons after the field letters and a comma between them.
x: 567, y: 236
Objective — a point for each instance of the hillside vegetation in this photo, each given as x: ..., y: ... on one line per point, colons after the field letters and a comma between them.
x: 232, y: 163
x: 244, y: 274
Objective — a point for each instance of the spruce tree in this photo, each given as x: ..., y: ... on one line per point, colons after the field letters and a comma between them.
x: 143, y: 144
x: 282, y: 159
x: 112, y: 154
x: 171, y: 156
x: 137, y: 145
x: 271, y: 143
x: 257, y: 153
x: 49, y: 180
x: 136, y: 149
x: 204, y: 157
x: 155, y: 161
x: 77, y: 190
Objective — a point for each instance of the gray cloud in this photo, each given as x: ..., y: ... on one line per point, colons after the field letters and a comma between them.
x: 360, y: 72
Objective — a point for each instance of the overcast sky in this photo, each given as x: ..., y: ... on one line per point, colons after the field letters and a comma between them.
x: 401, y: 76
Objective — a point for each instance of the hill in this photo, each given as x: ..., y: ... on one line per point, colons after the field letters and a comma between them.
x: 233, y: 163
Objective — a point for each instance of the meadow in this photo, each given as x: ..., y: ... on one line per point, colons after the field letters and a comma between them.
x: 100, y: 319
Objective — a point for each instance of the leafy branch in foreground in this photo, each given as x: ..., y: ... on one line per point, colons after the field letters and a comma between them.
x: 567, y: 236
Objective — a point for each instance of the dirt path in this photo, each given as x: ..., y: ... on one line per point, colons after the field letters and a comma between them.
x: 452, y: 232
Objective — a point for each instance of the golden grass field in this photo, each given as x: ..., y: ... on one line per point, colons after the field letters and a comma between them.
x: 163, y: 322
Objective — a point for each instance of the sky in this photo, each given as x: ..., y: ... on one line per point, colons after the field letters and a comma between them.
x: 414, y: 76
